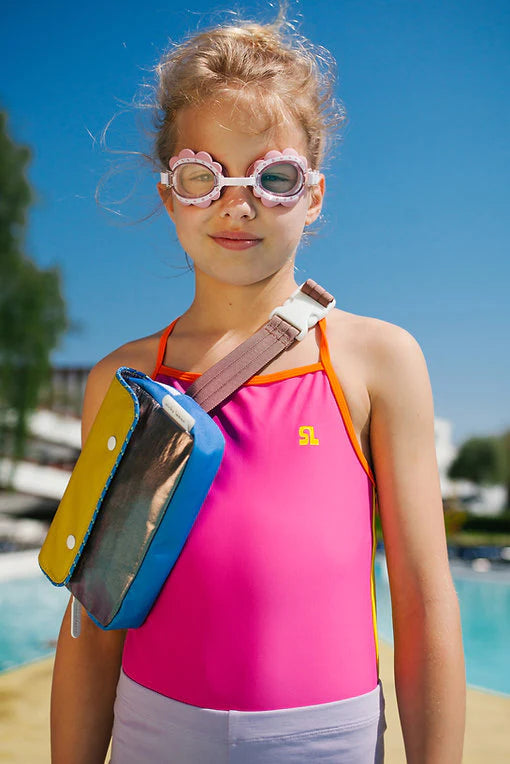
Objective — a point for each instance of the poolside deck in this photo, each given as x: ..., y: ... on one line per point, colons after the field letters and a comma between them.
x: 24, y: 718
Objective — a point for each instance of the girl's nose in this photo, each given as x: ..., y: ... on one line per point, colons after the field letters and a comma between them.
x: 237, y: 202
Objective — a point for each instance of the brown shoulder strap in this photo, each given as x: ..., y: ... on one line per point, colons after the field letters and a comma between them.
x: 226, y: 376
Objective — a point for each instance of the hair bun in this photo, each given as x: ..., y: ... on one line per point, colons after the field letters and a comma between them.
x: 274, y: 73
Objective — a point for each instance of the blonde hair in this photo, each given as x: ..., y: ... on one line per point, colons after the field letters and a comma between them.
x: 268, y: 68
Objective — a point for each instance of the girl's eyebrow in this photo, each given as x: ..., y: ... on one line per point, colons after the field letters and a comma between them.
x: 224, y: 166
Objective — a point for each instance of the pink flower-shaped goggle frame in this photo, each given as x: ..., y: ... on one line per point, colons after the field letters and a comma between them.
x: 306, y: 177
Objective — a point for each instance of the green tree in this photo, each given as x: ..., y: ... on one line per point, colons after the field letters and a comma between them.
x: 504, y: 460
x: 484, y: 461
x: 33, y: 313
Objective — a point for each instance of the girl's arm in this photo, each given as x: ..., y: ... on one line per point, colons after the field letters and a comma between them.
x: 429, y: 660
x: 87, y: 668
x: 83, y: 692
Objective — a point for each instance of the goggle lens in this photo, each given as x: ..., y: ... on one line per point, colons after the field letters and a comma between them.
x: 193, y: 180
x: 281, y: 178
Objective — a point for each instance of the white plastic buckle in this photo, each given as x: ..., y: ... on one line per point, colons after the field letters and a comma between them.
x: 302, y: 311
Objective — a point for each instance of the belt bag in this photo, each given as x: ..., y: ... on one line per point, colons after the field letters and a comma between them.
x: 145, y: 470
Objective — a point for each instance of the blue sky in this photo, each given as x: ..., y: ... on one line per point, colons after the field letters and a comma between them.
x: 416, y: 224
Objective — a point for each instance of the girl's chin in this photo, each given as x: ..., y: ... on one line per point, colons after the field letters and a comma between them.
x: 241, y: 274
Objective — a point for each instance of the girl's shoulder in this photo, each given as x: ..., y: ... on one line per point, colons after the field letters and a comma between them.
x: 377, y: 347
x: 139, y: 354
x: 366, y: 329
x: 384, y: 378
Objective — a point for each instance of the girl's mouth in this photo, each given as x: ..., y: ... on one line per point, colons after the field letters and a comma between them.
x: 235, y: 239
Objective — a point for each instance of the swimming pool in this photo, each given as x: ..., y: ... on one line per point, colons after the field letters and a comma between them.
x: 484, y: 601
x: 31, y: 611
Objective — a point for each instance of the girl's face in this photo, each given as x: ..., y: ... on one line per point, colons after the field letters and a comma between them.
x: 221, y: 131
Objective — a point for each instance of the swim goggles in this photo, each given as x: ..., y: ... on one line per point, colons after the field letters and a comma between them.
x: 280, y: 177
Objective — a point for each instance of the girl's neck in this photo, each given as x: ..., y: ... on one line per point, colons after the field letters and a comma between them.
x: 220, y: 308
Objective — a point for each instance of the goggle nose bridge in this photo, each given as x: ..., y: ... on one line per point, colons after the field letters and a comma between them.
x: 227, y: 181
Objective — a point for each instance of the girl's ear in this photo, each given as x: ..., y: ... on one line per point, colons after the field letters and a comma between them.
x: 316, y: 199
x: 167, y: 199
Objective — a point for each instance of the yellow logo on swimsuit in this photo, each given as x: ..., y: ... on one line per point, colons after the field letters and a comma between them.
x: 307, y: 436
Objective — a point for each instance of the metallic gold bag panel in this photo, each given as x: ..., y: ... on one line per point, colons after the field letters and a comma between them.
x: 131, y: 512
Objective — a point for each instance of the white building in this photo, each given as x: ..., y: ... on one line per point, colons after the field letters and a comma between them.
x: 480, y: 500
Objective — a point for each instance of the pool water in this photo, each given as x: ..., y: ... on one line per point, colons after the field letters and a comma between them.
x: 31, y: 611
x: 484, y: 601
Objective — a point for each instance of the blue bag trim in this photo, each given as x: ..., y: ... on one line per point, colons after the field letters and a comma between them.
x: 158, y: 391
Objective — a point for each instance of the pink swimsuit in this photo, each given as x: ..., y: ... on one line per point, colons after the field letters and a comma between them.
x: 271, y: 603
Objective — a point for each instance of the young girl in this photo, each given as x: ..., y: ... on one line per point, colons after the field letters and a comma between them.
x: 262, y: 646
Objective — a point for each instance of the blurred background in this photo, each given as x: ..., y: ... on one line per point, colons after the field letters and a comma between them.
x: 415, y: 231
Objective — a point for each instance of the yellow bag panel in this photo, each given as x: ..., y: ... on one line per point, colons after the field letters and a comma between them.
x: 95, y: 463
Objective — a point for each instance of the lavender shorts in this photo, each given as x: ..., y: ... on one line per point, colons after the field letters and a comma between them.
x: 149, y: 727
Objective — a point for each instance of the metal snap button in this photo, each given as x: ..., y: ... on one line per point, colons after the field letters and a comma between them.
x: 112, y: 442
x: 71, y: 542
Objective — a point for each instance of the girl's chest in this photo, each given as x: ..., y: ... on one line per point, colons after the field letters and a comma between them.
x: 346, y: 361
